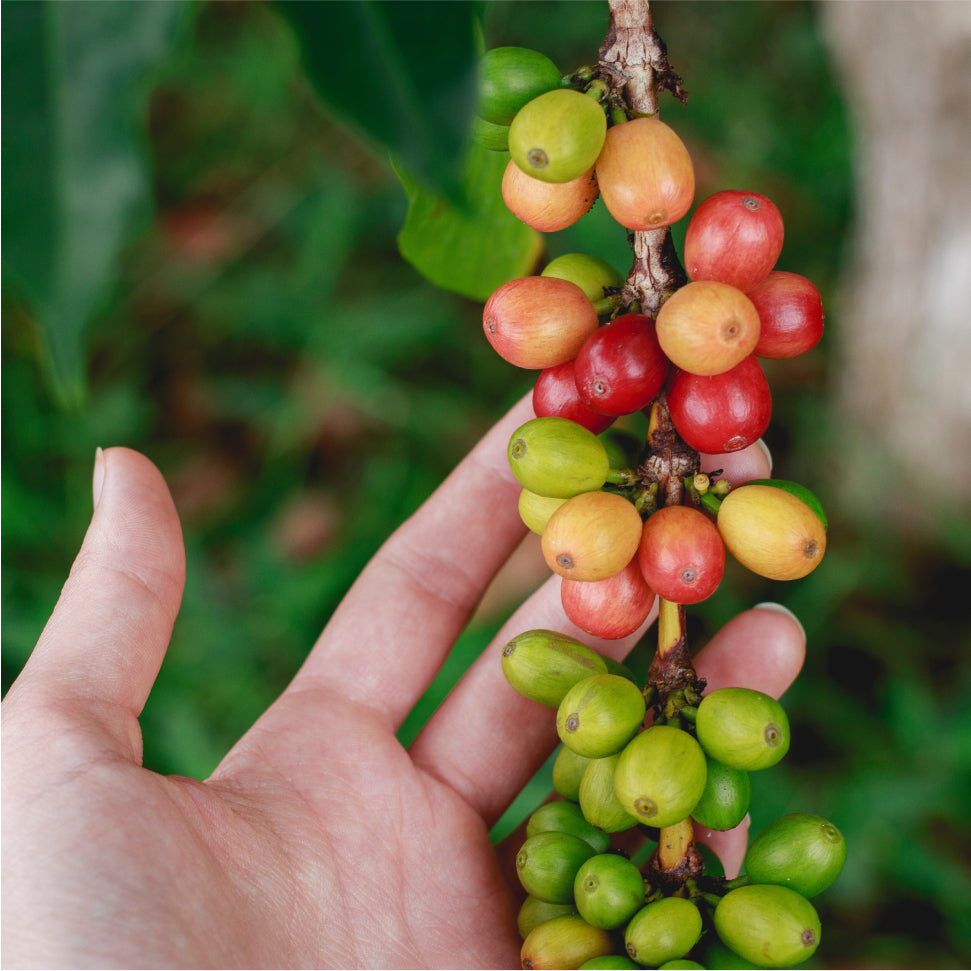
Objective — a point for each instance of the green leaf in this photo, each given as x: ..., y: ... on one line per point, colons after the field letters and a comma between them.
x: 74, y: 156
x: 472, y: 246
x: 402, y: 76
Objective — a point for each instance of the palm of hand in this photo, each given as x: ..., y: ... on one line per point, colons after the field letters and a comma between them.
x: 319, y: 841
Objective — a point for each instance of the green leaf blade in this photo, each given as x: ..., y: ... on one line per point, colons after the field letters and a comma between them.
x: 473, y: 246
x: 76, y: 165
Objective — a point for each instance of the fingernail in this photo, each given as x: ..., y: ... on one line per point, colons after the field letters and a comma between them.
x: 765, y: 449
x: 98, y: 478
x: 779, y: 609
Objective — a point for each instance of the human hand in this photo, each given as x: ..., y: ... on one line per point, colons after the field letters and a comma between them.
x: 318, y: 841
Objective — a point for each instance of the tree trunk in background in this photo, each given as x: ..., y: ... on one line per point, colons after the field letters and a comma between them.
x: 902, y: 325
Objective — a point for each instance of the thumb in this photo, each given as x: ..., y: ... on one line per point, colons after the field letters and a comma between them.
x: 106, y: 638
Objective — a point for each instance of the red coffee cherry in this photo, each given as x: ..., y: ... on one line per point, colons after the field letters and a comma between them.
x: 547, y: 206
x: 620, y: 368
x: 609, y: 608
x: 734, y: 237
x: 791, y: 314
x: 645, y: 174
x: 681, y: 554
x: 555, y: 394
x: 707, y: 327
x: 721, y: 412
x: 538, y: 321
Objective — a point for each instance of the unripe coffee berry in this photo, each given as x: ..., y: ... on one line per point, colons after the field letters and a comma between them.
x: 665, y: 929
x: 608, y: 890
x: 598, y: 797
x: 803, y: 852
x: 543, y: 665
x: 547, y: 865
x: 509, y: 78
x: 660, y: 776
x: 534, y: 912
x: 535, y: 511
x: 600, y: 715
x: 566, y: 817
x: 774, y: 927
x: 558, y: 458
x: 742, y: 728
x: 557, y: 136
x: 726, y: 798
x: 590, y: 273
x: 564, y: 942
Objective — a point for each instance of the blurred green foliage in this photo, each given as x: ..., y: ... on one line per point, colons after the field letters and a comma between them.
x: 303, y: 389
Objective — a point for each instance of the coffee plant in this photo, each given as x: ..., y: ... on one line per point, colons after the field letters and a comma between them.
x: 633, y: 525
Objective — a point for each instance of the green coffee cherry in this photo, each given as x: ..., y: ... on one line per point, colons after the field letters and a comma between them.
x: 803, y: 852
x: 608, y: 890
x: 600, y: 715
x: 568, y: 769
x: 558, y: 136
x: 726, y: 798
x: 743, y: 728
x: 662, y: 931
x: 535, y: 511
x: 610, y: 962
x: 543, y: 665
x: 533, y: 912
x: 716, y: 955
x: 772, y: 926
x: 490, y: 136
x: 509, y: 78
x: 547, y: 865
x: 590, y: 273
x: 660, y: 776
x: 557, y: 457
x: 616, y: 667
x: 564, y: 942
x: 567, y: 817
x: 598, y: 798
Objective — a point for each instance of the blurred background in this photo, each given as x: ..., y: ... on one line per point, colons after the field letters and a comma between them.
x: 201, y: 262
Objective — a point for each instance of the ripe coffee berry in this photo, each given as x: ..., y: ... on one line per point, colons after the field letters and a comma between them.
x: 733, y: 237
x: 610, y: 608
x: 791, y: 314
x: 556, y: 393
x: 536, y: 321
x: 620, y: 368
x: 681, y: 554
x: 721, y: 412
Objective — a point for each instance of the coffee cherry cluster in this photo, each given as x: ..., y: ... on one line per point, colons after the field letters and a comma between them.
x: 589, y: 905
x: 651, y: 759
